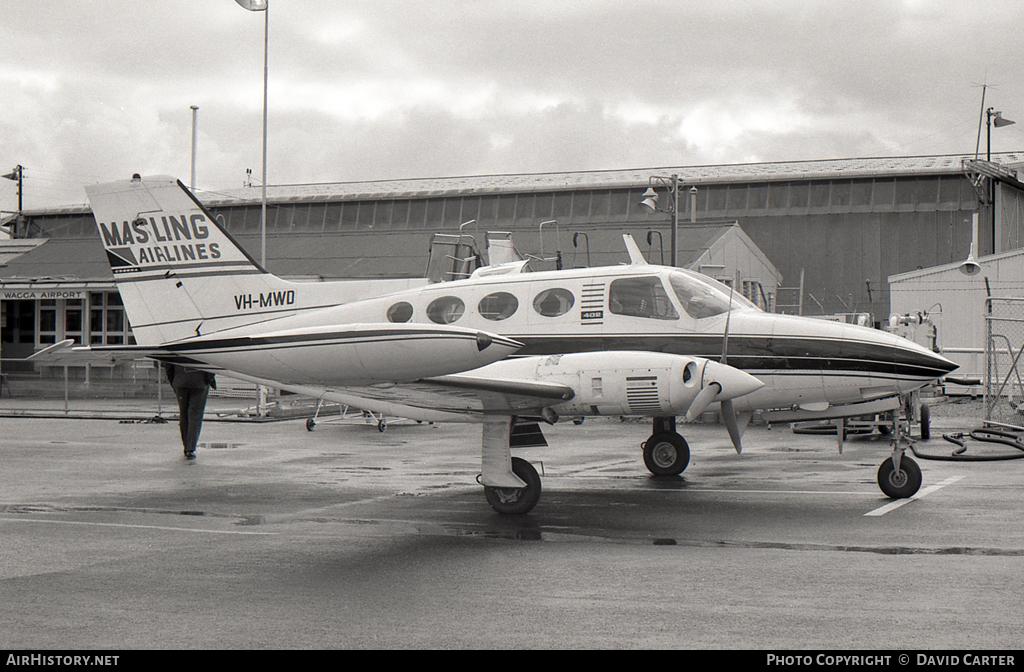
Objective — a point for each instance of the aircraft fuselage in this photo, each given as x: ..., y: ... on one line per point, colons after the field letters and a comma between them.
x: 802, y: 361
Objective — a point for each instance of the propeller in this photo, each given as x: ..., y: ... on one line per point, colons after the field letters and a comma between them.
x: 732, y: 422
x: 722, y: 383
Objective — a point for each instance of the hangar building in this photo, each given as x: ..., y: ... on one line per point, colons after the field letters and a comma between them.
x: 838, y: 228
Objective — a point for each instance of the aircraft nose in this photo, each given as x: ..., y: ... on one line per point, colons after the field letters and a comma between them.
x: 733, y: 381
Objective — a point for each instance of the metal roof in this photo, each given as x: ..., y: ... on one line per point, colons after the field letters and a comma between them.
x: 608, y: 179
x: 439, y: 187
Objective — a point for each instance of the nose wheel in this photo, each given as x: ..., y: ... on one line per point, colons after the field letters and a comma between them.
x: 900, y: 476
x: 899, y: 482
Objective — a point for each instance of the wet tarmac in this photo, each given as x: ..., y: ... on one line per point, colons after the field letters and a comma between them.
x: 276, y: 537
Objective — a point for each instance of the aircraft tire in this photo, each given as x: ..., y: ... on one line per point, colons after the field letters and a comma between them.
x: 310, y: 424
x: 903, y: 484
x: 926, y: 422
x: 516, y: 501
x: 666, y: 454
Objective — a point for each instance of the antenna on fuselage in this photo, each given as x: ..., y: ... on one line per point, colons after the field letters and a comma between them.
x: 635, y: 255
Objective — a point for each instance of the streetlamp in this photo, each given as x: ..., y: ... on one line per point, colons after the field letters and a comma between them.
x: 17, y: 175
x: 650, y: 201
x: 261, y: 6
x: 993, y: 117
x: 195, y: 112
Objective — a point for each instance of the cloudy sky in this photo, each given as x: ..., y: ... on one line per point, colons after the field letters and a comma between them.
x: 95, y: 91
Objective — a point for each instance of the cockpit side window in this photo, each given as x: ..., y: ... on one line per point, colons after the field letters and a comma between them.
x: 703, y: 299
x: 641, y: 297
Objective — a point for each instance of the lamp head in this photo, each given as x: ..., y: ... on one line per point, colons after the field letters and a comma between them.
x: 998, y: 120
x: 970, y: 267
x: 650, y: 199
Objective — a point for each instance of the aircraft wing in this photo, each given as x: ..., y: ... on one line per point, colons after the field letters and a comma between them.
x: 449, y: 397
x: 452, y: 398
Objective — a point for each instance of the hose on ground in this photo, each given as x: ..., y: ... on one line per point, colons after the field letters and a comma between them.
x: 985, y: 434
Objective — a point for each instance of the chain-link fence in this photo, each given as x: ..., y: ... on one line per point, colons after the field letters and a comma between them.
x: 1004, y: 361
x: 131, y: 390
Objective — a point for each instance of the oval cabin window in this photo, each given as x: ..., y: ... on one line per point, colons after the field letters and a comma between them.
x: 554, y: 302
x: 498, y: 306
x: 400, y: 312
x: 446, y: 310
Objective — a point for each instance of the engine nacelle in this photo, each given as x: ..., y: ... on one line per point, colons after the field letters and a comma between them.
x: 629, y: 382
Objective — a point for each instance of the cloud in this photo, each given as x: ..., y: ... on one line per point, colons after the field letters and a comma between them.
x: 94, y: 91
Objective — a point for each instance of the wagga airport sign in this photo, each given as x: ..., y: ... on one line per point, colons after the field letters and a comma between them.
x: 30, y: 294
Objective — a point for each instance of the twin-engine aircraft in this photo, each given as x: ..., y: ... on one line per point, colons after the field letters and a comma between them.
x: 636, y: 339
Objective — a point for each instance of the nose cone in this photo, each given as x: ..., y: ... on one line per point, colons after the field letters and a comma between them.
x: 917, y: 366
x: 734, y: 382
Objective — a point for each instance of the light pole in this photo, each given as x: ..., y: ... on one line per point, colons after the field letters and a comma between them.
x: 993, y: 117
x: 17, y: 175
x: 195, y: 112
x: 997, y: 116
x: 650, y: 201
x: 261, y: 6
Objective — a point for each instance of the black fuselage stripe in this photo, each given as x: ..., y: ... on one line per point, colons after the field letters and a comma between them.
x: 753, y: 354
x: 302, y: 340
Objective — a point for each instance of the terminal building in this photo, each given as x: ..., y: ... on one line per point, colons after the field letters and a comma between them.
x: 811, y: 237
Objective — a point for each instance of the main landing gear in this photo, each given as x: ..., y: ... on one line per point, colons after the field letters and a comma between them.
x: 666, y: 452
x: 511, y: 484
x: 516, y: 501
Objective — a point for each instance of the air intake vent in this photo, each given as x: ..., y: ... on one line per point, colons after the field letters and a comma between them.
x: 642, y: 394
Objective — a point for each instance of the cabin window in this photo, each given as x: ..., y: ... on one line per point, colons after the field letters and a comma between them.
x: 641, y: 297
x: 400, y: 312
x: 498, y: 306
x: 554, y: 302
x: 446, y: 310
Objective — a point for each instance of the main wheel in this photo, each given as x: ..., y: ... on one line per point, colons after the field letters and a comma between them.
x: 516, y: 501
x: 666, y: 454
x: 926, y: 422
x: 899, y: 484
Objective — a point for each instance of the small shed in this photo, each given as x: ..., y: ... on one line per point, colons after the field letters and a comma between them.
x: 726, y: 253
x: 944, y: 308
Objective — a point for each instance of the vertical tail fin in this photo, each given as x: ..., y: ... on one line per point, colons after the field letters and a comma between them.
x: 178, y: 272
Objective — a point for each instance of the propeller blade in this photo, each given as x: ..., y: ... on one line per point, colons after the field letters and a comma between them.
x: 702, y: 401
x: 732, y: 424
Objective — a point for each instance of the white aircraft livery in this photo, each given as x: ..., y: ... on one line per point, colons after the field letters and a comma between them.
x: 502, y: 347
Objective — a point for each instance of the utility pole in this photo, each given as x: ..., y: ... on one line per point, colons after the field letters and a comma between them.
x: 16, y: 175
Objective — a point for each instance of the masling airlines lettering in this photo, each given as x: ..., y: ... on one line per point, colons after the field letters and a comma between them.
x: 167, y: 239
x: 143, y: 231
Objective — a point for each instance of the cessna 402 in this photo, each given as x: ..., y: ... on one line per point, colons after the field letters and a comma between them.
x: 636, y: 339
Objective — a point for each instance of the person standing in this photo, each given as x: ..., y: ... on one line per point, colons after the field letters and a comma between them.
x: 191, y: 387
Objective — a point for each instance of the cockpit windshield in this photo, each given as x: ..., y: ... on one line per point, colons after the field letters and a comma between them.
x: 703, y: 297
